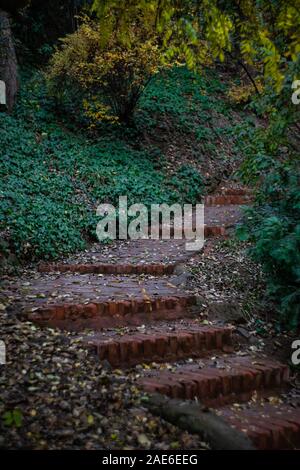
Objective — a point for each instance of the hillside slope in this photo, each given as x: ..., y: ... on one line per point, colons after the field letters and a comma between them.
x: 55, y: 170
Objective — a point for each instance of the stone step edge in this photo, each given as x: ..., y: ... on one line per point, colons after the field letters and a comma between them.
x: 158, y: 269
x: 139, y: 348
x: 214, y: 388
x: 235, y: 191
x: 271, y: 429
x: 109, y: 308
x: 227, y: 200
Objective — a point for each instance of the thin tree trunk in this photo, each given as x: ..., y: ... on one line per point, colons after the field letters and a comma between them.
x: 241, y: 63
x: 8, y: 60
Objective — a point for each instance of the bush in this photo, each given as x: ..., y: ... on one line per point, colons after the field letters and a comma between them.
x: 243, y: 92
x: 105, y: 77
x: 273, y: 226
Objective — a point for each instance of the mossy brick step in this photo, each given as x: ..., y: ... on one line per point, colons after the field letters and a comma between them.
x: 153, y: 257
x: 136, y: 348
x: 269, y: 426
x: 222, y: 216
x: 218, y: 218
x: 106, y: 268
x: 153, y: 269
x: 227, y: 199
x: 229, y: 196
x: 231, y: 379
x: 236, y: 191
x: 96, y: 301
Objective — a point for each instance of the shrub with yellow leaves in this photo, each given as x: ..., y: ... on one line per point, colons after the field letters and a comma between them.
x: 241, y: 94
x: 110, y: 73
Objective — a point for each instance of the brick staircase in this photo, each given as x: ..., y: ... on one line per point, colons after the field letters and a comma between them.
x: 134, y: 284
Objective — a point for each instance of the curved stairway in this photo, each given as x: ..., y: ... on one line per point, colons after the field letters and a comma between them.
x: 135, y: 284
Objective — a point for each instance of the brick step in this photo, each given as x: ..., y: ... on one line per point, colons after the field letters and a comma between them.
x: 137, y: 348
x: 109, y: 268
x: 227, y: 199
x: 111, y: 314
x: 234, y: 379
x: 98, y: 301
x: 91, y: 301
x: 269, y: 426
x: 153, y: 257
x: 214, y: 231
x: 210, y: 230
x: 158, y: 269
x: 236, y: 191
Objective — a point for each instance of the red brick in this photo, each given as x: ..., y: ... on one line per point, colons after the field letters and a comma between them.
x: 214, y: 231
x: 112, y: 308
x: 59, y: 312
x: 81, y: 311
x: 113, y: 353
x: 90, y: 310
x: 135, y: 349
x: 149, y: 349
x: 102, y: 349
x: 120, y: 308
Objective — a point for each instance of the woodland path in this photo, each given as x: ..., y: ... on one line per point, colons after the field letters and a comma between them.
x: 143, y: 285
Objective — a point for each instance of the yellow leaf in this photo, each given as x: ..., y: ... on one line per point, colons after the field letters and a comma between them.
x: 90, y: 420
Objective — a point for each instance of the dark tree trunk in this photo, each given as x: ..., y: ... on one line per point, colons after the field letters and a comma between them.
x: 8, y: 60
x: 189, y: 416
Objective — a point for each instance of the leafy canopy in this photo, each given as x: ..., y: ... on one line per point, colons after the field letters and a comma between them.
x: 265, y: 32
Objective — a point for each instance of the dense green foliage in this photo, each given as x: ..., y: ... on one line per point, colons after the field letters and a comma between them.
x: 273, y: 225
x: 190, y: 106
x: 272, y: 162
x: 52, y: 178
